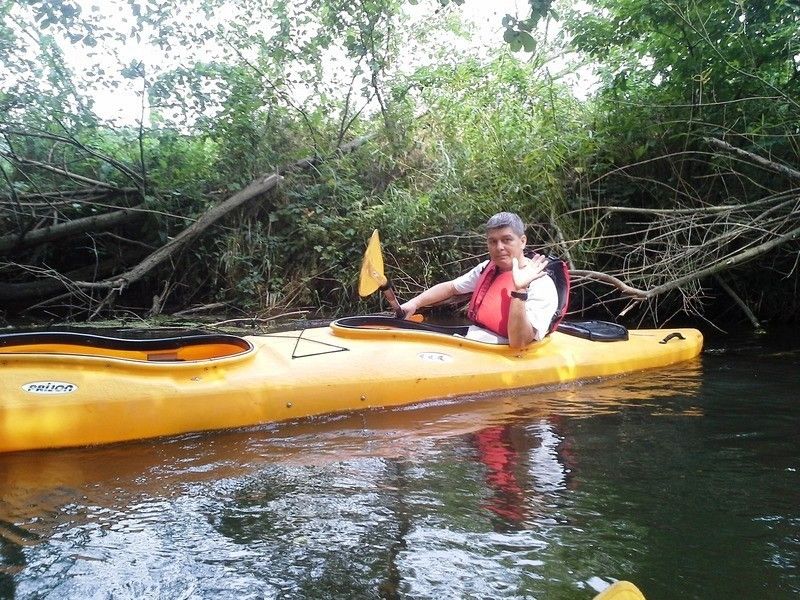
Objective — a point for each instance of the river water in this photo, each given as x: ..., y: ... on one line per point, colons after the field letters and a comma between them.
x: 684, y: 480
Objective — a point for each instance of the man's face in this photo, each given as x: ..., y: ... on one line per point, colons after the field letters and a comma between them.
x: 504, y: 245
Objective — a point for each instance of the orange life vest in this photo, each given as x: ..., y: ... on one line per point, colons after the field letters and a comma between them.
x: 491, y: 300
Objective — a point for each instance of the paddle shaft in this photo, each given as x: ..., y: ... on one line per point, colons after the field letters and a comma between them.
x: 391, y: 297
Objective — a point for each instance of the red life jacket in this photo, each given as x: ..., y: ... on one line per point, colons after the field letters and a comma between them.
x: 491, y: 300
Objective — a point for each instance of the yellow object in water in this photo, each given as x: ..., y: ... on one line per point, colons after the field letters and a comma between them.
x: 67, y: 389
x: 621, y: 590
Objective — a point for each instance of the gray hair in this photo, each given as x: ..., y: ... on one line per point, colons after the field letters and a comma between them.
x: 506, y: 219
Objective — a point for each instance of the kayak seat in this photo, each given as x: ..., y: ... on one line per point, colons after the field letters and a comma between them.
x: 171, y: 349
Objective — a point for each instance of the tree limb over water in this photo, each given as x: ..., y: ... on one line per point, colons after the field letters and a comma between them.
x: 678, y: 249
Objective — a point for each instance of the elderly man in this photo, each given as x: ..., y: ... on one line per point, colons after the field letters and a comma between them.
x: 513, y: 299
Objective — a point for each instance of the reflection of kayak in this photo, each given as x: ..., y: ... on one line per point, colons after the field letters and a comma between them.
x: 67, y: 389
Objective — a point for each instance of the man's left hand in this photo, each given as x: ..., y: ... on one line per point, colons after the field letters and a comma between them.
x: 527, y: 270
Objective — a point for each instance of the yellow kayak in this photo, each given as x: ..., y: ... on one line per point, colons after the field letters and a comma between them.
x: 621, y: 590
x: 70, y: 389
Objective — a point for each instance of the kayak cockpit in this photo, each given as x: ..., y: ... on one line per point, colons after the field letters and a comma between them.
x: 381, y: 322
x: 382, y: 328
x: 596, y: 331
x: 173, y: 349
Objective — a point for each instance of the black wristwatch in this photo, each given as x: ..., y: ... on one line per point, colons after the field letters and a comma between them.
x: 520, y: 295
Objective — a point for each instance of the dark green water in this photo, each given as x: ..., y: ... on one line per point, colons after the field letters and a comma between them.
x: 684, y: 481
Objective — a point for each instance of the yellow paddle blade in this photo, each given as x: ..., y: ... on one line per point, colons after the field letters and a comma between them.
x: 622, y: 590
x: 372, y: 276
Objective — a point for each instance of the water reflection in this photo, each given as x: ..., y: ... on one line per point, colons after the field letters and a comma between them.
x: 524, y: 495
x: 524, y: 464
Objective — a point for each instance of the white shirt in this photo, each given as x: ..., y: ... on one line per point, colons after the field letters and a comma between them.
x: 541, y: 305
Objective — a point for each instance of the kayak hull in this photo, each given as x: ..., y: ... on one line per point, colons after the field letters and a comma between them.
x: 54, y: 396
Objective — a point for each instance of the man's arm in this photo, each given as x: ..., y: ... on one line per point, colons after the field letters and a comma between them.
x: 520, y: 331
x: 438, y: 293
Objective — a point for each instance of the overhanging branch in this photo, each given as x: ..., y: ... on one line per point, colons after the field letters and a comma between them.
x: 754, y: 158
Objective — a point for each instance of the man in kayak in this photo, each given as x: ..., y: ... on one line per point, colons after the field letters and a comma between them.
x: 513, y: 299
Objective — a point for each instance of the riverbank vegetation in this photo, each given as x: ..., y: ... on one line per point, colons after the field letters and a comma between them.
x: 273, y: 136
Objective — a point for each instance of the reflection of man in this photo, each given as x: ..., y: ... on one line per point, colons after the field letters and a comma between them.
x: 500, y: 458
x: 513, y: 299
x: 523, y: 464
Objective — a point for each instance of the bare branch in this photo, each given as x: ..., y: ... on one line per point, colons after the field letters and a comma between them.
x: 68, y: 139
x: 754, y: 158
x: 727, y: 264
x: 52, y: 169
x: 610, y: 280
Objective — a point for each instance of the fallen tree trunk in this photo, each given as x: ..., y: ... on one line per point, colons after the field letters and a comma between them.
x: 60, y: 231
x: 258, y: 187
x: 121, y: 281
x: 74, y: 282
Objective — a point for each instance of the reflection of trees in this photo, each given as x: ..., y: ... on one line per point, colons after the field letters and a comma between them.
x: 334, y: 531
x: 695, y: 487
x: 389, y: 589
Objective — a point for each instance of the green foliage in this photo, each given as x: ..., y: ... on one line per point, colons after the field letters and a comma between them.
x: 719, y: 66
x: 675, y: 73
x: 243, y: 87
x: 518, y: 32
x: 511, y: 138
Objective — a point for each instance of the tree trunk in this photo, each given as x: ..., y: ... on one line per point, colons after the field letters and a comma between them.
x: 60, y: 231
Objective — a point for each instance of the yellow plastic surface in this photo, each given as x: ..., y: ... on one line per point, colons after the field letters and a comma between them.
x: 115, y: 397
x: 371, y: 277
x: 621, y: 590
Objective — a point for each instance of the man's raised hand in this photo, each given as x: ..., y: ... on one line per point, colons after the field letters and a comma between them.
x: 530, y: 270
